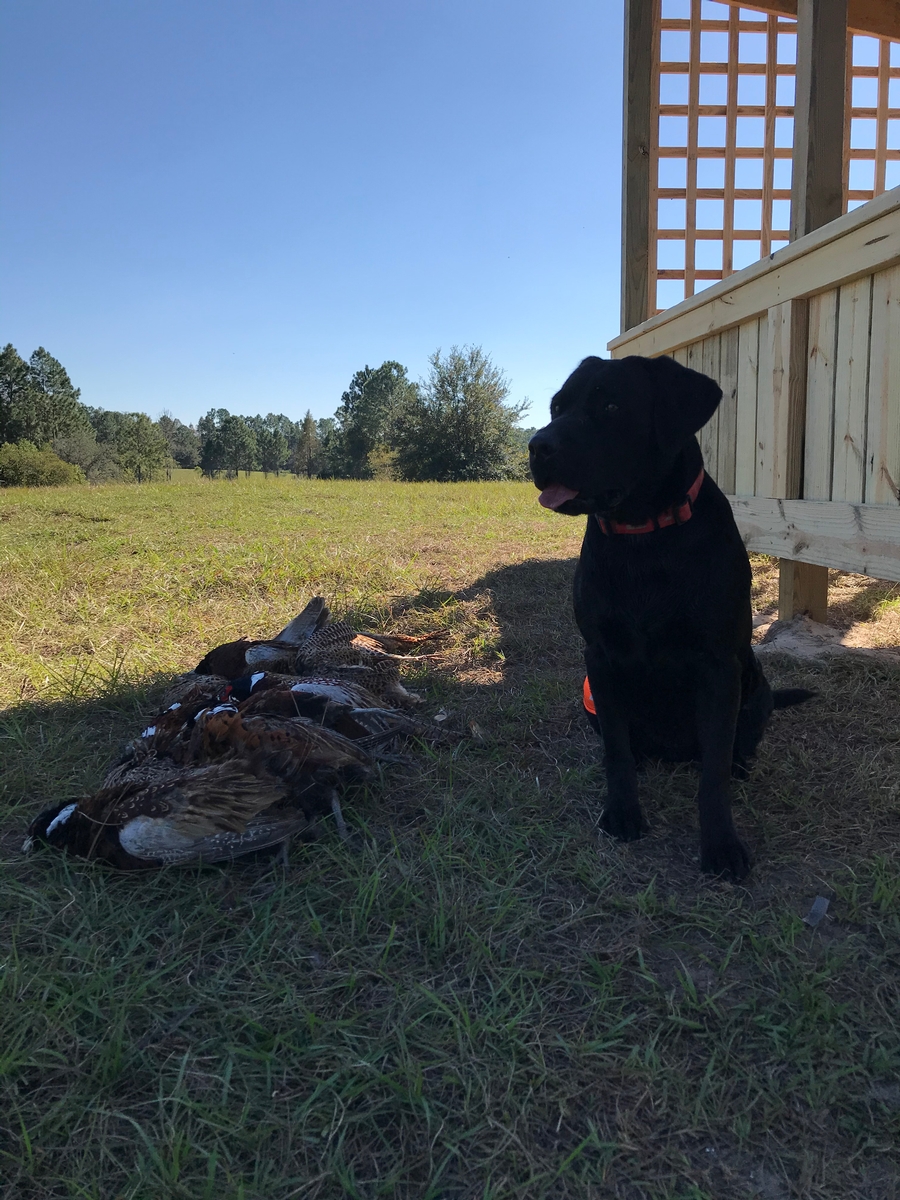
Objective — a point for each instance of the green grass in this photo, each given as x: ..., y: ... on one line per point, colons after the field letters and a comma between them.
x: 487, y: 998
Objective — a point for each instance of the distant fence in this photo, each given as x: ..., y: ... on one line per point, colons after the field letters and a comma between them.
x: 806, y: 347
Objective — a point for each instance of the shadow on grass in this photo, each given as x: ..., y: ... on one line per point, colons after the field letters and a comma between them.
x: 53, y: 749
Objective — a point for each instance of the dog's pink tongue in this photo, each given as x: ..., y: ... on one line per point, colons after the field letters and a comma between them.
x: 555, y: 495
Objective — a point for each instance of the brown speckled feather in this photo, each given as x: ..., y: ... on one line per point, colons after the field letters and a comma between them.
x: 308, y: 746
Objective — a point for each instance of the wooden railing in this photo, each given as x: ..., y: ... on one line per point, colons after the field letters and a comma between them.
x: 806, y: 347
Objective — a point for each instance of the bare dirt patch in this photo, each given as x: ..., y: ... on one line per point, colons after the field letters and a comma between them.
x: 863, y: 613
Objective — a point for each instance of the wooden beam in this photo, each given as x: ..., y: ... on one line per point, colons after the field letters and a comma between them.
x: 881, y: 114
x: 768, y: 156
x: 817, y: 181
x: 817, y: 197
x: 690, y: 200
x: 863, y: 538
x: 637, y: 160
x: 876, y: 18
x: 781, y: 419
x: 731, y: 116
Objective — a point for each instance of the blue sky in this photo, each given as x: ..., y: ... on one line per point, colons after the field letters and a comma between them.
x: 212, y: 203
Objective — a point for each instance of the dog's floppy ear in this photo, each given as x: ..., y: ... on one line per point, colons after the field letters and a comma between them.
x: 684, y: 400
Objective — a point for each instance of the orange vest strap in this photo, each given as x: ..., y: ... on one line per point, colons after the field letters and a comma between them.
x: 588, y: 698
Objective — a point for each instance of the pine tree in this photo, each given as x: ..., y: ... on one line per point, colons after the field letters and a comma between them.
x: 182, y: 440
x: 38, y: 401
x: 141, y: 446
x: 13, y: 388
x: 365, y: 416
x: 212, y: 459
x: 238, y: 445
x: 53, y: 408
x: 308, y: 450
x: 271, y: 446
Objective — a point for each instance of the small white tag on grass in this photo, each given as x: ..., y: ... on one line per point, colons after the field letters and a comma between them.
x: 817, y: 912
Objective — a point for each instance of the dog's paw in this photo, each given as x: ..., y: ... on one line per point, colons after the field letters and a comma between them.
x: 626, y: 824
x: 728, y: 857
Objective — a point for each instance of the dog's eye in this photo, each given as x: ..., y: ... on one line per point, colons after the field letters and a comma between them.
x: 612, y: 408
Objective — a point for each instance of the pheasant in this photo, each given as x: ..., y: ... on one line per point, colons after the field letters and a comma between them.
x: 241, y: 758
x: 344, y: 707
x: 230, y: 785
x: 278, y: 654
x: 285, y: 747
x: 207, y: 814
x: 326, y: 698
x: 311, y: 643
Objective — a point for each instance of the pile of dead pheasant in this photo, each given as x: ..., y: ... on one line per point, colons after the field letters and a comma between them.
x: 250, y: 747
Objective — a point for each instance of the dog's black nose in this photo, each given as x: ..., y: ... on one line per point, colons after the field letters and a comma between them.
x: 540, y: 446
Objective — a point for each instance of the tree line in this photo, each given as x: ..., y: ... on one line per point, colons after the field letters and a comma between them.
x: 455, y: 424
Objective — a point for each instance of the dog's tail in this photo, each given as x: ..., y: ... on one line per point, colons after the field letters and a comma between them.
x: 786, y: 697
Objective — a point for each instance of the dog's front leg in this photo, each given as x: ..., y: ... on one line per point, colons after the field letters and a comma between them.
x: 718, y: 701
x: 621, y: 815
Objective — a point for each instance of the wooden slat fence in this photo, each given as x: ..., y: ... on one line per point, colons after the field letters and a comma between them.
x: 806, y: 348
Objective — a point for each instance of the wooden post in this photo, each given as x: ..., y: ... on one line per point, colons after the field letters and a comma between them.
x: 816, y: 198
x: 802, y: 588
x: 818, y: 173
x: 637, y: 161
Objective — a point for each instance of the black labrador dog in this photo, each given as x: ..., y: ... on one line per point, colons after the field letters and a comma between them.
x: 662, y: 589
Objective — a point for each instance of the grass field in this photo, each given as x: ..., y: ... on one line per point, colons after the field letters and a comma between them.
x: 485, y: 999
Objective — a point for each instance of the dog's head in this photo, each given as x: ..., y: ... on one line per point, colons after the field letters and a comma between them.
x: 616, y: 428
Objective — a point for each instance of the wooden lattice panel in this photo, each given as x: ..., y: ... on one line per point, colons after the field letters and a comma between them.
x: 723, y: 126
x: 872, y: 135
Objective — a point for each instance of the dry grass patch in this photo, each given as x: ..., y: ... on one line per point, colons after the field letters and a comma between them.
x: 488, y: 998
